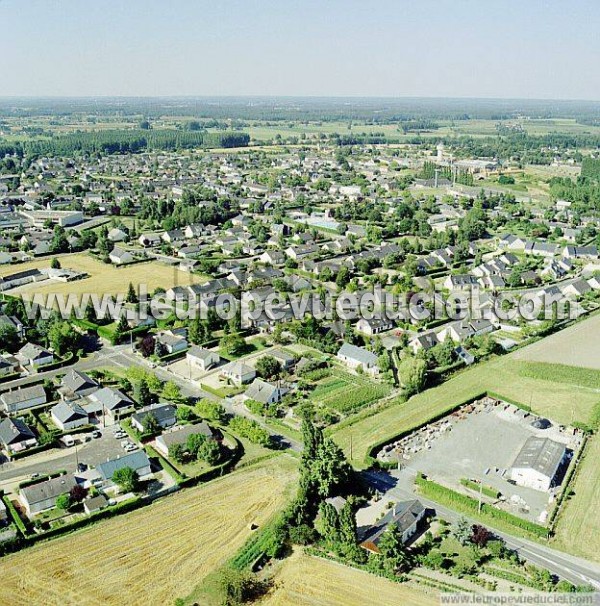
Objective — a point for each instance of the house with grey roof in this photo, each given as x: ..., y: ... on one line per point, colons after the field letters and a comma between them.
x: 41, y: 496
x: 539, y: 463
x: 406, y: 516
x: 137, y: 460
x: 264, y: 392
x: 179, y: 435
x: 355, y: 357
x: 69, y: 415
x: 165, y: 415
x: 34, y: 355
x: 203, y: 359
x: 23, y: 398
x: 113, y: 404
x: 238, y: 373
x: 77, y: 384
x: 15, y: 436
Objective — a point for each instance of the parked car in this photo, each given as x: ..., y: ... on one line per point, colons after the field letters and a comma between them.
x: 81, y: 467
x: 96, y: 434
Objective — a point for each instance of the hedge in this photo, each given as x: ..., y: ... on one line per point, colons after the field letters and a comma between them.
x: 165, y: 464
x: 10, y: 377
x: 69, y: 359
x: 15, y: 516
x: 488, y: 491
x: 468, y: 505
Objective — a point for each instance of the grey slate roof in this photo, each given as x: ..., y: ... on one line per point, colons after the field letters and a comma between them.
x: 50, y: 489
x: 76, y: 381
x: 357, y: 353
x: 23, y: 394
x: 68, y: 411
x: 180, y: 436
x: 111, y: 399
x: 14, y: 430
x: 403, y: 515
x: 135, y: 460
x: 540, y: 454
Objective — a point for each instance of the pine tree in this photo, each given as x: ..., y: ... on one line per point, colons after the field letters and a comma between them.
x: 131, y: 294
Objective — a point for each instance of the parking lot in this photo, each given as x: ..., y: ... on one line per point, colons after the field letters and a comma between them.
x: 482, y: 445
x: 91, y: 453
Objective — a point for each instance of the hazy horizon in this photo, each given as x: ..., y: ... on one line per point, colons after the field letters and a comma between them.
x: 441, y: 49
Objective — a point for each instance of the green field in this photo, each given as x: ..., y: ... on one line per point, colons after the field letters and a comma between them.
x: 577, y: 531
x: 537, y: 386
x: 346, y: 393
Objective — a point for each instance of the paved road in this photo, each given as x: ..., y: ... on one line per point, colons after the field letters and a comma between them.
x: 91, y: 453
x: 573, y: 569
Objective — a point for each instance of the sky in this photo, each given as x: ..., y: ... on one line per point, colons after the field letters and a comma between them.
x: 383, y: 48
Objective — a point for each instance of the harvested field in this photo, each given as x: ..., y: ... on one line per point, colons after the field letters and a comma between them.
x: 577, y: 345
x: 103, y: 278
x: 308, y: 581
x: 153, y: 555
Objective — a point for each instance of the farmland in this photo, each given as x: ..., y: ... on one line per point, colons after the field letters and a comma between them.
x: 103, y: 278
x: 307, y: 581
x: 577, y: 345
x: 564, y: 402
x: 578, y: 529
x: 347, y: 393
x: 153, y: 555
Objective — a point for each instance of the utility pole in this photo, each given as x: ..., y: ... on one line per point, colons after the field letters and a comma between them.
x: 351, y: 457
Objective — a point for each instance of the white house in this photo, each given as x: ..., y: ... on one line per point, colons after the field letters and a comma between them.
x: 357, y: 357
x: 238, y: 373
x: 119, y: 256
x: 201, y: 358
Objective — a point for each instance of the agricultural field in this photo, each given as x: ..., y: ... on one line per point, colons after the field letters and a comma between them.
x: 346, y: 393
x: 545, y: 390
x: 104, y: 278
x: 577, y: 345
x: 153, y: 555
x: 577, y: 531
x: 308, y: 581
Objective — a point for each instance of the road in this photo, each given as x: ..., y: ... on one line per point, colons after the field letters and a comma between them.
x: 400, y: 487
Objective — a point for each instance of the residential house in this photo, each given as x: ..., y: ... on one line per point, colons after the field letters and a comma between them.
x: 41, y: 496
x: 423, y: 341
x: 358, y: 358
x: 77, y: 384
x: 264, y: 392
x: 171, y: 343
x: 203, y: 359
x: 180, y: 435
x: 23, y: 398
x: 406, y: 516
x: 111, y: 403
x: 68, y: 415
x: 120, y: 256
x: 15, y: 436
x: 34, y: 355
x: 165, y: 415
x: 238, y: 373
x: 373, y: 326
x: 137, y: 460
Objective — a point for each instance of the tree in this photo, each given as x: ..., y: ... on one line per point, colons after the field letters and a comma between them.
x: 150, y: 424
x: 330, y: 468
x: 132, y: 296
x: 347, y: 521
x: 59, y: 242
x: 412, y: 373
x: 268, y: 367
x: 462, y: 531
x: 480, y: 535
x: 63, y: 501
x: 211, y: 411
x: 144, y: 395
x: 147, y: 346
x: 194, y: 442
x: 62, y: 338
x: 328, y: 523
x: 392, y: 549
x: 77, y: 493
x: 232, y: 344
x: 126, y: 479
x: 171, y: 391
x: 343, y: 277
x: 210, y: 452
x: 55, y: 263
x: 9, y: 338
x: 177, y: 453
